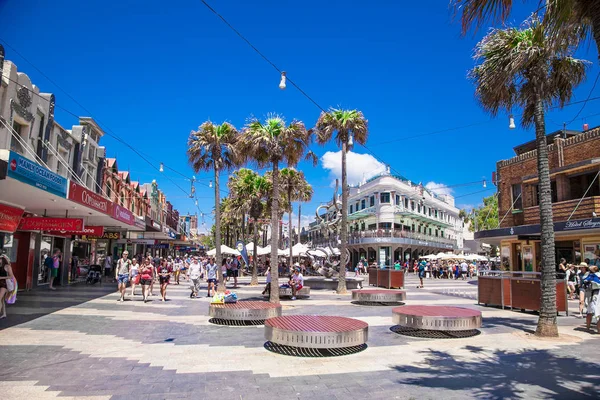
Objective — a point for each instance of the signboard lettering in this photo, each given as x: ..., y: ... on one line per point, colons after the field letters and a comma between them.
x: 122, y: 214
x: 9, y: 218
x: 68, y: 225
x: 93, y: 231
x: 31, y: 173
x: 81, y: 195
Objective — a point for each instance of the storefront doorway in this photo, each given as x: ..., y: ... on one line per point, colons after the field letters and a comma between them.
x: 49, y: 245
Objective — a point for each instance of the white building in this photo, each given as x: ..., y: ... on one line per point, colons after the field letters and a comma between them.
x: 390, y: 218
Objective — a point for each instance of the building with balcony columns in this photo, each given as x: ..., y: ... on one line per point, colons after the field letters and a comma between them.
x: 574, y: 160
x: 390, y: 218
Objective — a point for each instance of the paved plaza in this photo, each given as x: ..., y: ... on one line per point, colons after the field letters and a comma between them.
x: 80, y: 343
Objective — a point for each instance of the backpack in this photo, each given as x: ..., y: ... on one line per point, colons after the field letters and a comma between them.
x: 49, y: 262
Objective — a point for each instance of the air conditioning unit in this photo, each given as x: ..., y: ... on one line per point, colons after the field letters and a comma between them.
x: 102, y: 152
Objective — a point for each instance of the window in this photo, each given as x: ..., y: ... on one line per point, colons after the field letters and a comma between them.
x: 351, y: 209
x: 412, y: 205
x: 15, y: 145
x: 580, y: 183
x: 372, y: 227
x: 412, y: 227
x: 108, y: 190
x: 436, y: 213
x: 517, y: 199
x: 122, y: 199
x: 397, y: 200
x: 436, y: 233
x: 406, y: 203
x: 385, y: 225
x: 372, y: 201
x: 384, y: 197
x: 419, y: 229
x: 356, y: 207
x: 363, y: 204
x: 429, y: 231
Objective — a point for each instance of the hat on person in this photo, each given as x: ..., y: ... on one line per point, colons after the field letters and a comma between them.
x: 296, y: 264
x: 583, y: 265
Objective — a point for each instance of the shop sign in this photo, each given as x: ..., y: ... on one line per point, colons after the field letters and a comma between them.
x: 9, y: 218
x: 122, y: 214
x: 149, y: 242
x: 591, y: 223
x: 81, y: 195
x: 140, y: 223
x: 156, y: 225
x: 67, y: 225
x: 160, y: 246
x: 29, y: 172
x: 111, y: 235
x: 93, y: 231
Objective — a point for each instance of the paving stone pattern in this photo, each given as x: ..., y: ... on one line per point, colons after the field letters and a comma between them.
x: 80, y: 343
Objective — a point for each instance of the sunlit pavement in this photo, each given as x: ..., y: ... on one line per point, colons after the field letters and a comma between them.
x: 80, y: 343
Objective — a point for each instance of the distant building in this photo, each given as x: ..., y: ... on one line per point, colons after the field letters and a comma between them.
x: 391, y: 218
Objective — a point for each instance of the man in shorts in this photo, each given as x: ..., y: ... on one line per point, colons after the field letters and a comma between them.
x: 211, y: 277
x: 234, y: 271
x: 122, y: 273
x: 194, y: 276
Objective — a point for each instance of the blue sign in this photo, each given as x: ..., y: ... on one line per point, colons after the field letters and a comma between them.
x: 241, y: 247
x: 27, y: 171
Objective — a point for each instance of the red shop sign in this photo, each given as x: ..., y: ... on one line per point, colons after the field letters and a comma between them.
x: 122, y: 214
x: 68, y: 225
x: 88, y: 230
x: 81, y: 195
x: 9, y: 218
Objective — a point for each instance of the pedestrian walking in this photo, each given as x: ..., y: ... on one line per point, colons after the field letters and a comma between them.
x: 571, y: 278
x: 224, y: 268
x: 591, y: 282
x: 211, y: 277
x: 421, y: 270
x: 134, y: 274
x: 146, y: 277
x: 164, y: 276
x: 108, y: 262
x: 56, y: 259
x: 234, y: 271
x: 122, y: 274
x: 267, y: 289
x: 195, y: 277
x: 583, y: 270
x: 155, y: 264
x: 7, y: 284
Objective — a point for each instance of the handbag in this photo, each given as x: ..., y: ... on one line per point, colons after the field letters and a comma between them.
x: 136, y: 279
x: 10, y: 284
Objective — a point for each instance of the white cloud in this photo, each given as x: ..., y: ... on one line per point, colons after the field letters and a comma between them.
x: 438, y: 188
x: 305, y: 220
x: 467, y: 207
x: 359, y: 166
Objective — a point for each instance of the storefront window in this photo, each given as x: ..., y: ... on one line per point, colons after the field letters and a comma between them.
x: 505, y: 258
x: 9, y: 246
x: 528, y: 258
x: 45, y: 252
x: 591, y: 254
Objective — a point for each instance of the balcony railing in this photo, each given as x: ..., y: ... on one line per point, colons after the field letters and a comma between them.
x: 386, y: 235
x: 562, y: 210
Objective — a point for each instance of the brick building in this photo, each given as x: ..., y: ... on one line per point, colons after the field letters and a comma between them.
x: 574, y: 160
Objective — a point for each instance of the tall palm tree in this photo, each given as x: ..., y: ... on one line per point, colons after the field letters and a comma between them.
x: 519, y: 67
x: 561, y: 16
x: 214, y: 148
x: 271, y: 143
x: 344, y: 124
x: 249, y: 190
x: 298, y: 189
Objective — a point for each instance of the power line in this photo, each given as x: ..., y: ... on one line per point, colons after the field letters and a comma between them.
x: 586, y: 100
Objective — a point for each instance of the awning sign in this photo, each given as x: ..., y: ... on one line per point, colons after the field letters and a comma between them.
x: 68, y: 225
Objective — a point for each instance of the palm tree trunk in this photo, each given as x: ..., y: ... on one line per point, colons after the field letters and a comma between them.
x: 274, y: 298
x: 221, y: 287
x: 547, y: 324
x: 290, y: 224
x: 299, y: 211
x: 244, y: 227
x: 344, y: 234
x: 254, y: 280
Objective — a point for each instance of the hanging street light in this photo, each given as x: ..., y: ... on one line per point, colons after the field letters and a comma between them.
x: 511, y: 122
x: 161, y: 168
x: 282, y: 85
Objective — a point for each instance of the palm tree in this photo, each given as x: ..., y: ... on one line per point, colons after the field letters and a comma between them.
x: 520, y: 68
x: 561, y: 16
x: 345, y: 124
x: 297, y: 188
x: 271, y: 143
x: 214, y: 148
x: 249, y: 190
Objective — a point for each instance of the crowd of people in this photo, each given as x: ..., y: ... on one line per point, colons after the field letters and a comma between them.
x: 161, y: 270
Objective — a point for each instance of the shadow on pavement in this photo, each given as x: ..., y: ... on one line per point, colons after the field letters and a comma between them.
x: 506, y: 374
x: 39, y: 302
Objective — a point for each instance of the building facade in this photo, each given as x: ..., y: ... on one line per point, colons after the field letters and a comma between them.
x: 390, y: 218
x: 574, y: 160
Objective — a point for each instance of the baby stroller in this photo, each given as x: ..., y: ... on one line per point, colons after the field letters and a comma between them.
x: 94, y: 275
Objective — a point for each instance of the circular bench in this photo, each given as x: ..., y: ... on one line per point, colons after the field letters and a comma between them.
x: 287, y: 292
x: 378, y: 296
x: 243, y: 312
x: 426, y: 321
x: 303, y: 333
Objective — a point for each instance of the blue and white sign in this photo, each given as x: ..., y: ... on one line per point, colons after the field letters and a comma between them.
x: 27, y: 171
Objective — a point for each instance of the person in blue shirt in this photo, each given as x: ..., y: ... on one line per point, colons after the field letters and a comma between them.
x: 421, y: 269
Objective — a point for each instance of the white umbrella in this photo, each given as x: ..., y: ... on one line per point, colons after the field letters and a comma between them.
x: 224, y: 250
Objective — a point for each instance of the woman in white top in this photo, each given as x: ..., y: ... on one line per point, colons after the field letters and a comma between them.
x: 134, y: 271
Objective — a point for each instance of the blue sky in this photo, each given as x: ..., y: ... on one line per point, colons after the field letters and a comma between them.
x: 152, y: 71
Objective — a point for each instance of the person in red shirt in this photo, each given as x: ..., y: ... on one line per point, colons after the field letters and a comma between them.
x: 146, y: 275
